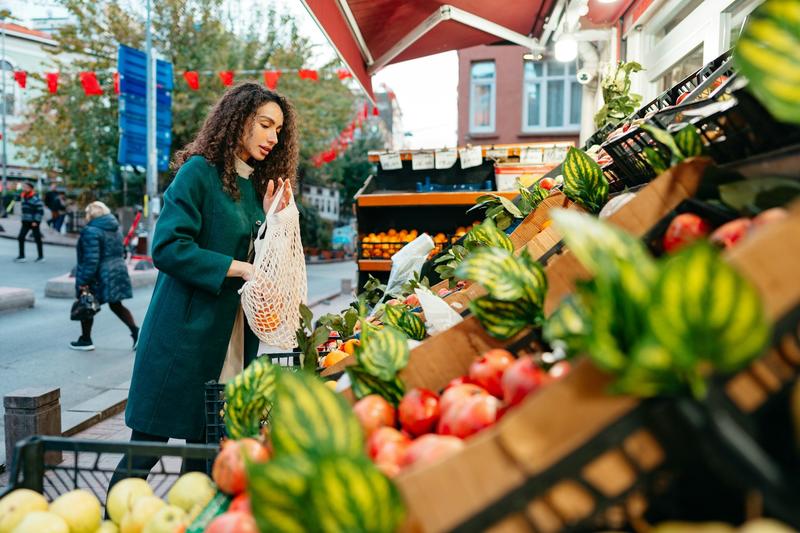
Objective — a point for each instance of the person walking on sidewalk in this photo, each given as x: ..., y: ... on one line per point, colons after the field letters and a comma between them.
x: 102, y: 270
x: 227, y: 179
x: 32, y: 213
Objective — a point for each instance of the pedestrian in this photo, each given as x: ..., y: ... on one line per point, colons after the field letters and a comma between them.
x: 50, y: 202
x: 227, y: 179
x: 102, y: 271
x: 32, y: 213
x: 59, y: 207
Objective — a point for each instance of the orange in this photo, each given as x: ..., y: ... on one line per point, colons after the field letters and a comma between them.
x: 266, y: 320
x: 349, y: 346
x: 334, y: 357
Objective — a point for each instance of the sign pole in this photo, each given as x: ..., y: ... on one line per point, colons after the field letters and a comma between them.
x: 152, y: 169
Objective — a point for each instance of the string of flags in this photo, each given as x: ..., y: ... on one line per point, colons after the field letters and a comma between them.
x: 92, y: 87
x: 340, y: 143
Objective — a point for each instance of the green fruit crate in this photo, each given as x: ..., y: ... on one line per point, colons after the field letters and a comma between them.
x: 55, y: 465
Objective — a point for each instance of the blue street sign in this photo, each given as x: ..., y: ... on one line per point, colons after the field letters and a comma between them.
x: 132, y: 67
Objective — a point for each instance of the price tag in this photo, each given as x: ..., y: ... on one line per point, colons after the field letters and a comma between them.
x: 470, y: 157
x: 555, y: 154
x: 531, y: 156
x: 497, y: 153
x: 421, y: 160
x: 446, y: 158
x: 391, y: 161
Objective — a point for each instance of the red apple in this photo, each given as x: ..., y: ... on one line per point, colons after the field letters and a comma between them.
x: 729, y: 234
x: 233, y: 522
x: 431, y: 448
x: 383, y: 437
x: 488, y: 370
x: 240, y: 503
x: 228, y: 470
x: 374, y: 412
x: 547, y: 183
x: 522, y: 378
x: 470, y: 416
x: 684, y: 228
x: 419, y: 411
x: 412, y: 301
x: 457, y: 394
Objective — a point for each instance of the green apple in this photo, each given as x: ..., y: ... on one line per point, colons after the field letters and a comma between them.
x: 16, y: 504
x: 80, y: 509
x: 193, y: 488
x: 108, y: 527
x: 143, y: 510
x: 167, y: 520
x: 123, y: 495
x: 42, y: 522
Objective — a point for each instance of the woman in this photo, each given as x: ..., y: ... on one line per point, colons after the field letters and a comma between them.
x: 227, y: 180
x: 102, y: 271
x: 32, y: 213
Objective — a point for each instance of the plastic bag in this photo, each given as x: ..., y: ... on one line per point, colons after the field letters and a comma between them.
x: 439, y: 316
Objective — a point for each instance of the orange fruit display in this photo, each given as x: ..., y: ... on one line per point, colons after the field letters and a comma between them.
x: 384, y: 244
x: 334, y: 357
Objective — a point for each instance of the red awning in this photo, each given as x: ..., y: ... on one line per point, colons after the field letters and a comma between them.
x: 370, y: 34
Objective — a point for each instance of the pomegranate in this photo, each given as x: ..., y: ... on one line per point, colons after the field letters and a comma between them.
x: 522, y: 378
x: 488, y: 370
x: 374, y: 412
x: 547, y: 183
x: 443, y: 292
x: 233, y: 522
x: 470, y: 416
x: 384, y: 436
x: 729, y: 234
x: 457, y: 394
x: 419, y: 411
x: 684, y: 228
x: 430, y: 448
x: 240, y: 503
x: 461, y: 380
x: 228, y: 470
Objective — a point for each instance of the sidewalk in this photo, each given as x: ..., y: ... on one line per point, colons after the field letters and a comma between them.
x: 12, y: 225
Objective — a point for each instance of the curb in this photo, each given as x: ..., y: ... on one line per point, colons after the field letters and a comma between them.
x: 324, y: 298
x: 6, y: 235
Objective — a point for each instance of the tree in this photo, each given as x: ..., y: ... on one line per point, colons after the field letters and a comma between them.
x: 352, y: 168
x: 78, y: 135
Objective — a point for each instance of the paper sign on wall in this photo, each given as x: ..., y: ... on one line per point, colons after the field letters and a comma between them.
x: 470, y: 157
x: 421, y: 160
x: 497, y: 153
x: 531, y: 156
x: 555, y: 154
x: 391, y: 161
x: 446, y: 158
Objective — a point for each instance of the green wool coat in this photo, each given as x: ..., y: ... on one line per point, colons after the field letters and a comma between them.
x: 185, y: 334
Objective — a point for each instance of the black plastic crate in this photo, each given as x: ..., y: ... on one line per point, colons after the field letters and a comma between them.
x: 55, y: 465
x: 627, y: 151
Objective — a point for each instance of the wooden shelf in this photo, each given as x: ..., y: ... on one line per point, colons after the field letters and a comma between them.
x: 375, y: 265
x: 466, y: 198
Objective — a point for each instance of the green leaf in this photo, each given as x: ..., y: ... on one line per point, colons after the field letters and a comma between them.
x: 689, y: 142
x: 484, y: 234
x: 509, y: 206
x: 766, y: 53
x: 502, y: 320
x: 584, y: 181
x: 496, y: 269
x: 383, y: 353
x: 532, y: 278
x: 665, y: 138
x: 306, y: 315
x: 311, y: 420
x: 754, y: 196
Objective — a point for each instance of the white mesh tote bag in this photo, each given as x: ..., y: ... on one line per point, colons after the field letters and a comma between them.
x: 271, y: 299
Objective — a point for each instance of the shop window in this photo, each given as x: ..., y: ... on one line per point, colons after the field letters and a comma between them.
x: 551, y: 97
x: 482, y: 97
x: 734, y: 18
x: 687, y: 66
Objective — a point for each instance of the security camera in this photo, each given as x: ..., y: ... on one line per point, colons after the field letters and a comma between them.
x: 584, y: 76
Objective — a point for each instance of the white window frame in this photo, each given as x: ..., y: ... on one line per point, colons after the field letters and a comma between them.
x: 568, y: 79
x: 473, y: 128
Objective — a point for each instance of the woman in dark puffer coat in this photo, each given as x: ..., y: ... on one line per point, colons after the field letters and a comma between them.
x: 102, y: 269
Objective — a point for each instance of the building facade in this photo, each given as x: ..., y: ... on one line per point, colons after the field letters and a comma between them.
x: 325, y: 199
x: 504, y: 98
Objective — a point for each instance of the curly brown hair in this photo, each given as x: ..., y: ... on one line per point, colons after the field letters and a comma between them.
x: 220, y: 138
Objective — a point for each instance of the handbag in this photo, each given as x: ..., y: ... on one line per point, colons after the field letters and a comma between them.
x: 271, y: 299
x: 85, y: 306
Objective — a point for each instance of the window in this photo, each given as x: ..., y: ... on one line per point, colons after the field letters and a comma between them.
x: 687, y: 65
x: 551, y: 97
x: 482, y: 97
x: 7, y: 102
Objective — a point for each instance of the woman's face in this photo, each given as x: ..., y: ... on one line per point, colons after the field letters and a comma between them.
x: 262, y: 136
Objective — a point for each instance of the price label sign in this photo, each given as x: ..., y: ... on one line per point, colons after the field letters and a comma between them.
x: 470, y: 157
x: 497, y: 153
x: 555, y: 154
x: 446, y: 158
x: 422, y: 161
x: 531, y: 156
x: 391, y: 161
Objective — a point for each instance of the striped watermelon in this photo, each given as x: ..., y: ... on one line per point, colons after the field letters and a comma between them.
x: 584, y: 182
x: 568, y: 324
x: 278, y: 491
x: 401, y: 317
x: 311, y: 419
x: 248, y: 398
x: 689, y: 142
x: 767, y: 54
x: 383, y: 353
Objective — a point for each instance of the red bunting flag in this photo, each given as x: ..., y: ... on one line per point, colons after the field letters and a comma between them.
x: 364, y: 111
x: 21, y: 77
x: 226, y: 77
x: 317, y: 160
x: 52, y: 82
x: 343, y: 74
x: 329, y: 156
x: 308, y: 74
x: 271, y: 78
x: 192, y: 79
x: 375, y: 112
x: 116, y: 83
x: 91, y: 87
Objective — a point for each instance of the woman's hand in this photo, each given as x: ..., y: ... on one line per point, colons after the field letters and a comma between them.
x: 240, y: 269
x: 272, y: 190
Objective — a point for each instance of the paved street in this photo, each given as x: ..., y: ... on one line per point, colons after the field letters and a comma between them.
x: 33, y: 342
